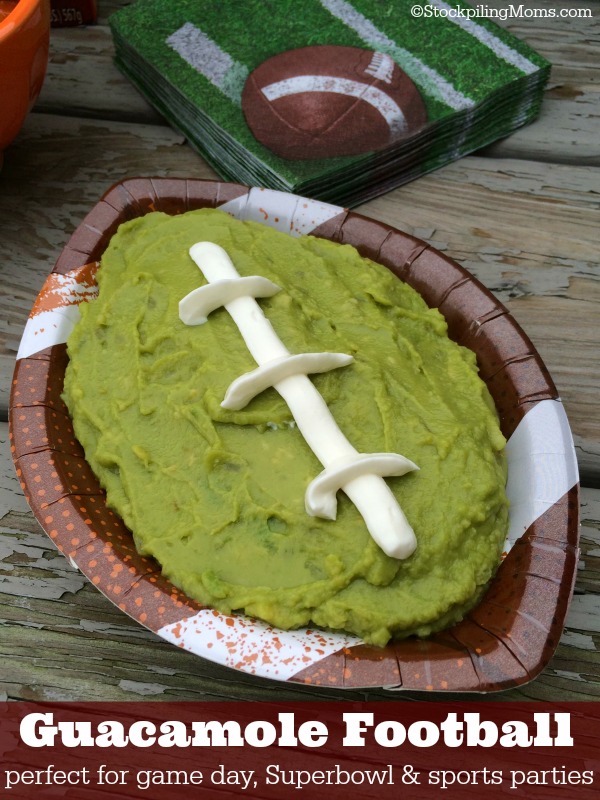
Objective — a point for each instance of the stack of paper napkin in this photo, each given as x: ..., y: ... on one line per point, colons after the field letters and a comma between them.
x: 326, y: 98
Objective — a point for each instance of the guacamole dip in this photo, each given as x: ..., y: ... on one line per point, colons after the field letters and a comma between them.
x: 217, y: 496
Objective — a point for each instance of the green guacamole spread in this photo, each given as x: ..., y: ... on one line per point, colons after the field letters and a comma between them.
x: 217, y: 497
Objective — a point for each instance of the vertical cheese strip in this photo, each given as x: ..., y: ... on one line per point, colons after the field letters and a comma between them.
x: 370, y: 494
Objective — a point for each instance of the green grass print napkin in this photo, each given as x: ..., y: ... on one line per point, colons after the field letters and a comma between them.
x: 328, y: 98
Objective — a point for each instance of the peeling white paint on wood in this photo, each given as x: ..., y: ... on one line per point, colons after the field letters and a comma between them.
x: 584, y: 613
x: 582, y: 641
x: 11, y: 496
x: 145, y: 689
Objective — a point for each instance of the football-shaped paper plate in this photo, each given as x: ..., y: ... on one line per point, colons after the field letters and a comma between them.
x: 505, y: 641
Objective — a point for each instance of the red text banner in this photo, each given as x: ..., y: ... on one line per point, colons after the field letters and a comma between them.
x: 277, y: 751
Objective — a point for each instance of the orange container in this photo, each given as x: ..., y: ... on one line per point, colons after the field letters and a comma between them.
x: 24, y: 35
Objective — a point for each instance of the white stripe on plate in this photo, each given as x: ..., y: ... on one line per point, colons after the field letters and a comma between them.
x: 253, y: 646
x: 282, y: 211
x: 541, y: 465
x: 47, y: 329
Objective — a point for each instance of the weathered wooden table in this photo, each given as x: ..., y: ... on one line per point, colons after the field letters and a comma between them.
x: 522, y: 215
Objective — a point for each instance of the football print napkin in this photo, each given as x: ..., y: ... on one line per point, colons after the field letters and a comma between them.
x: 328, y: 98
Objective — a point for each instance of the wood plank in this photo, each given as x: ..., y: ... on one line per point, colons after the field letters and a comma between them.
x: 83, y: 81
x: 62, y: 640
x: 567, y: 129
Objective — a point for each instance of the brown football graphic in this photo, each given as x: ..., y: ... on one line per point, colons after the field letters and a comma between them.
x: 327, y: 100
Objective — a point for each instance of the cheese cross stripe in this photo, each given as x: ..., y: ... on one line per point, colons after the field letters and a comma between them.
x: 247, y: 386
x: 370, y: 494
x: 197, y: 305
x: 320, y: 495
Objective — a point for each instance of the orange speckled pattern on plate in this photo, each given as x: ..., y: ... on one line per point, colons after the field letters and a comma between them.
x: 504, y: 642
